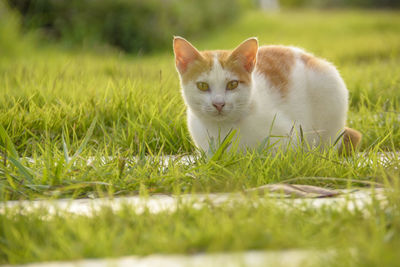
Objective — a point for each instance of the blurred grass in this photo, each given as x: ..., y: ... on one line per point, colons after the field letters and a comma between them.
x: 361, y: 237
x: 340, y: 3
x: 12, y: 41
x: 134, y: 26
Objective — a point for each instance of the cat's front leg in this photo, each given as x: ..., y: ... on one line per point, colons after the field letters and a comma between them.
x: 209, y: 135
x: 198, y: 131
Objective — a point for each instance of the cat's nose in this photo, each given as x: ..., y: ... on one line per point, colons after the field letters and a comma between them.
x: 219, y: 105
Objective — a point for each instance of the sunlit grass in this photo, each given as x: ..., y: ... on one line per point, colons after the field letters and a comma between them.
x: 50, y: 99
x: 361, y: 237
x: 88, y: 124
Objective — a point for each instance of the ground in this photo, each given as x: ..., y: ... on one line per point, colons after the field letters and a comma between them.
x: 95, y: 123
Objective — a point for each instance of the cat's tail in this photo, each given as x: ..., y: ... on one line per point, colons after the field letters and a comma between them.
x: 350, y: 141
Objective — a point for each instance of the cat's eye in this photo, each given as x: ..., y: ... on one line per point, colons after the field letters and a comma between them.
x: 232, y: 85
x: 202, y: 86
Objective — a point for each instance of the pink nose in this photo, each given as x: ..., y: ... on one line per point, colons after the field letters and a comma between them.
x: 219, y: 105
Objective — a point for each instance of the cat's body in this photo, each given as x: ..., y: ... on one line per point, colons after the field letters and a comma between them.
x: 260, y: 92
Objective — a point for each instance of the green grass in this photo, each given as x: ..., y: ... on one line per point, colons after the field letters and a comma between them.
x: 364, y: 237
x: 60, y: 108
x: 51, y: 97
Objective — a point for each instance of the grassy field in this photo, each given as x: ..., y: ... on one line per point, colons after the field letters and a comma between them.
x: 94, y: 123
x: 364, y: 237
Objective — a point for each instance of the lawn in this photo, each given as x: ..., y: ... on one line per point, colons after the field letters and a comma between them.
x: 97, y: 122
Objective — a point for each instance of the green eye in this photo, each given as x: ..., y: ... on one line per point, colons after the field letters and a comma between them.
x: 202, y: 86
x: 232, y: 85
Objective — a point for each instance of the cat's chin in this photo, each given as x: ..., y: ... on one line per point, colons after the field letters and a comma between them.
x: 221, y: 117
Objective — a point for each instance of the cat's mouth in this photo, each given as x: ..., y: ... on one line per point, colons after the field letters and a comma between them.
x: 217, y: 115
x: 220, y: 115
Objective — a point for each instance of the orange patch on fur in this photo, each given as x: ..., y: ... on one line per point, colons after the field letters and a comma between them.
x: 312, y: 62
x: 233, y: 66
x: 351, y: 140
x: 276, y: 62
x: 204, y: 64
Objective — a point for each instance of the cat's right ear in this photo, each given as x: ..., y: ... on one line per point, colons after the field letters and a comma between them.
x: 246, y: 53
x: 185, y: 54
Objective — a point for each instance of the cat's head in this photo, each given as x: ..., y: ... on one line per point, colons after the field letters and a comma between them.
x: 216, y: 85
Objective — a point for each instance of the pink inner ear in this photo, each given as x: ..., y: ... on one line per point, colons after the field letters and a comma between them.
x: 250, y: 62
x: 185, y: 54
x: 248, y: 59
x: 182, y: 62
x: 246, y: 53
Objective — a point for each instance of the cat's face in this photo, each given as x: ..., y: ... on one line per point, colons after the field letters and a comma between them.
x: 216, y: 84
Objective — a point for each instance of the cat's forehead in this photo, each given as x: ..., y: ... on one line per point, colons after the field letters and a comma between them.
x: 215, y: 60
x: 217, y: 73
x: 220, y: 55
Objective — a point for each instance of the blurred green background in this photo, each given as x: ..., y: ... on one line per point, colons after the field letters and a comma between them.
x: 136, y: 26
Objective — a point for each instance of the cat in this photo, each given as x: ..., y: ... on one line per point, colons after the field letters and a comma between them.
x: 279, y: 92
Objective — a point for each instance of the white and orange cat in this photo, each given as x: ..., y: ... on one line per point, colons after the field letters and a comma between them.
x: 263, y: 91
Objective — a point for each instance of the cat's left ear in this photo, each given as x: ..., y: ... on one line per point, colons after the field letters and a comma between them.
x: 246, y: 53
x: 185, y: 54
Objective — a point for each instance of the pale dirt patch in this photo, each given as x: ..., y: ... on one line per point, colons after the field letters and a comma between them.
x: 349, y: 199
x: 286, y: 258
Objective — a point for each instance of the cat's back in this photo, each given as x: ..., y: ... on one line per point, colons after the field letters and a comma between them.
x: 284, y: 66
x: 305, y: 88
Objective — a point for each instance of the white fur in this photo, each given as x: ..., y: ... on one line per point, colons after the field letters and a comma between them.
x: 316, y: 102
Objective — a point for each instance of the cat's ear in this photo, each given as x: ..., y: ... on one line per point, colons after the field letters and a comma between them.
x: 185, y: 54
x: 246, y: 54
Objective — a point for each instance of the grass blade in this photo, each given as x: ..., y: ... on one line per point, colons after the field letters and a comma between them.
x: 65, y: 149
x: 86, y: 139
x: 224, y: 145
x: 13, y: 155
x: 7, y: 143
x: 24, y: 171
